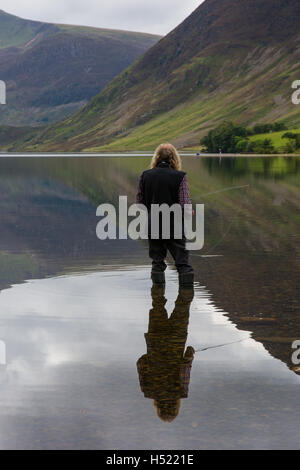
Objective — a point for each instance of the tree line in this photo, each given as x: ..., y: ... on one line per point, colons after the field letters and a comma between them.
x: 229, y: 137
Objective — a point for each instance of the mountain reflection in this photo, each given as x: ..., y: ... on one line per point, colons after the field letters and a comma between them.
x: 250, y: 261
x: 164, y: 372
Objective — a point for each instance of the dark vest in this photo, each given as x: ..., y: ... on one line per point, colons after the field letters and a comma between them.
x: 161, y: 185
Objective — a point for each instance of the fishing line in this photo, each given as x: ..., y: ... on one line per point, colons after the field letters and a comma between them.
x: 234, y: 219
x: 225, y: 189
x: 220, y: 345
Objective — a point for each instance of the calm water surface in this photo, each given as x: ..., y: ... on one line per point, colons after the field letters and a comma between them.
x: 96, y: 359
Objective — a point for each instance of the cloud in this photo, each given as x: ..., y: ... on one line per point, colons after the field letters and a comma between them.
x: 135, y: 15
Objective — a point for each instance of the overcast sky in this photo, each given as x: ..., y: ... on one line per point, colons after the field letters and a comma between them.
x: 153, y: 16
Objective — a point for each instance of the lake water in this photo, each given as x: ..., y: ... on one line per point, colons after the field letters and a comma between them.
x: 74, y: 311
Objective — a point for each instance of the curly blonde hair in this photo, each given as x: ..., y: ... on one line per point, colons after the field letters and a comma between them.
x: 167, y: 152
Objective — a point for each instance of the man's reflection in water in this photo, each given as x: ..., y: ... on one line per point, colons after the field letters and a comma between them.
x: 164, y: 372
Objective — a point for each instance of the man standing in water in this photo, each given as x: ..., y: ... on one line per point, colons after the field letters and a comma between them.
x: 165, y: 183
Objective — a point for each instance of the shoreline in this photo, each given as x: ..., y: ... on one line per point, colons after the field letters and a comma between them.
x: 136, y: 154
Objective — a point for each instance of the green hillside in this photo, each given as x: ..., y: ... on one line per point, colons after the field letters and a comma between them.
x: 16, y: 31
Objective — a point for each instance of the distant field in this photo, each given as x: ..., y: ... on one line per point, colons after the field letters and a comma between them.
x: 276, y: 137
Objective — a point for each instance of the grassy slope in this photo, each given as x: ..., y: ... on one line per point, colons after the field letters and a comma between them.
x: 16, y: 31
x: 276, y: 137
x: 248, y: 98
x: 9, y: 135
x: 145, y: 40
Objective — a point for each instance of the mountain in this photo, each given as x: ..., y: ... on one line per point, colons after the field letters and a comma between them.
x: 230, y: 59
x: 51, y: 70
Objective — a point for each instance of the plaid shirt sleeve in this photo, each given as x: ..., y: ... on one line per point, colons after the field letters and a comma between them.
x: 140, y: 193
x: 184, y: 193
